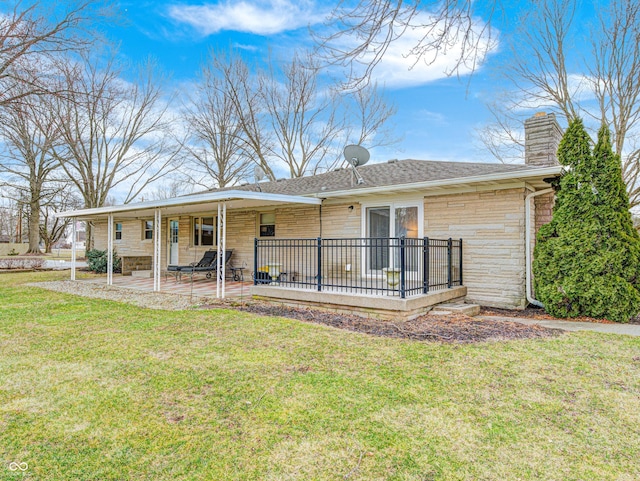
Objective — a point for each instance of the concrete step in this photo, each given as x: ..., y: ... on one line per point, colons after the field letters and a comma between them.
x: 448, y: 308
x: 143, y: 273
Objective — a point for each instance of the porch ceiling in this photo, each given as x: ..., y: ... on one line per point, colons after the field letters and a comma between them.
x: 191, y: 204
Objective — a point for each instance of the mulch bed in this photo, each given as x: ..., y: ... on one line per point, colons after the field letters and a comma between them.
x: 451, y: 328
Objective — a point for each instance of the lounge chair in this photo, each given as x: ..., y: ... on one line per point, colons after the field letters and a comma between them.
x: 204, y: 264
x: 208, y: 264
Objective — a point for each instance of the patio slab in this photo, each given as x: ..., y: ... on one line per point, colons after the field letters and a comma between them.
x: 200, y: 287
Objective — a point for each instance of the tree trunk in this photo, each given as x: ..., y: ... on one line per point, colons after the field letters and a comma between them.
x: 34, y: 228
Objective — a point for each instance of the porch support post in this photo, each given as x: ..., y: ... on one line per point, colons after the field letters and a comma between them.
x: 157, y: 248
x: 110, y: 249
x: 73, y: 249
x: 222, y: 245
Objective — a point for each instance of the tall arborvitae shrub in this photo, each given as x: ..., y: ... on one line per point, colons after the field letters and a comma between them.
x: 587, y: 259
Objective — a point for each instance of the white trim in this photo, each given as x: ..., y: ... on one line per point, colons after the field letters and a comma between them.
x: 194, y: 199
x: 73, y: 250
x: 157, y: 248
x: 110, y: 250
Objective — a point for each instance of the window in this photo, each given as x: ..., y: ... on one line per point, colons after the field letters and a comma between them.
x: 118, y: 230
x: 204, y: 231
x: 268, y: 225
x: 147, y: 229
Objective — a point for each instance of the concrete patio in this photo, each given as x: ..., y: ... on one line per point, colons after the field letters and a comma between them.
x: 198, y: 286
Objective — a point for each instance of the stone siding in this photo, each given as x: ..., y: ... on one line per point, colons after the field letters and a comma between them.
x: 491, y: 225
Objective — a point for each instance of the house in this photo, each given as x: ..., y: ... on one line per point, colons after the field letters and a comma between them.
x: 446, y: 230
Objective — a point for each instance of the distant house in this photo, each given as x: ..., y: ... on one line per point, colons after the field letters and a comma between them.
x: 340, y: 242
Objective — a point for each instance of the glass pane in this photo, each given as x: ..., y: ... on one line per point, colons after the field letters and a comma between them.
x: 207, y: 231
x: 196, y: 231
x: 267, y: 231
x: 407, y: 222
x: 174, y: 231
x: 268, y: 218
x: 378, y: 227
x: 148, y: 229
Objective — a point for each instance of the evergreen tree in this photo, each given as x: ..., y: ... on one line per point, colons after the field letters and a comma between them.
x: 587, y: 259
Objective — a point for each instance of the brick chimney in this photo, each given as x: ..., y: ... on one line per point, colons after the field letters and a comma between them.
x: 542, y: 135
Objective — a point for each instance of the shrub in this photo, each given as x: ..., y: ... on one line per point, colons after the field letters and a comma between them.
x: 587, y: 259
x: 97, y: 261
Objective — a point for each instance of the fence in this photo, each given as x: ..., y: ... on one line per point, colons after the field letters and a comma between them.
x: 396, y: 266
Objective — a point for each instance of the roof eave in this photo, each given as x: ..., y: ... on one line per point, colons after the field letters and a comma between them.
x: 223, y: 196
x: 524, y: 175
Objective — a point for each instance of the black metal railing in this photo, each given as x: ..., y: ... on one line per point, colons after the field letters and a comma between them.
x: 397, y: 266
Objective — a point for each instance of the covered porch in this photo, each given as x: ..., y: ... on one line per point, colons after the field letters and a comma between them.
x: 163, y: 233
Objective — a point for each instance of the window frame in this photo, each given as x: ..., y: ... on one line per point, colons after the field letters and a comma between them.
x: 117, y: 231
x: 261, y: 224
x: 196, y: 241
x: 147, y: 230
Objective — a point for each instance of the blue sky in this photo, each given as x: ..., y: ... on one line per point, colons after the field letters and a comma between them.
x: 437, y: 116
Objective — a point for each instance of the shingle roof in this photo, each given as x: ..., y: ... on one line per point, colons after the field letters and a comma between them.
x: 381, y: 174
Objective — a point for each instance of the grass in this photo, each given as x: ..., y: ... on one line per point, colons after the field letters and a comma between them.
x: 97, y: 390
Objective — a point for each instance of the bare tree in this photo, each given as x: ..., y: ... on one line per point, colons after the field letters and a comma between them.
x: 368, y: 117
x: 243, y: 91
x: 115, y: 133
x: 599, y: 84
x: 305, y: 122
x: 53, y: 228
x: 358, y: 36
x: 281, y: 117
x: 33, y: 35
x: 28, y: 160
x: 216, y: 143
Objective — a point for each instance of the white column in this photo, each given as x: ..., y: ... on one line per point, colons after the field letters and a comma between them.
x: 222, y: 245
x: 73, y: 249
x: 110, y: 249
x: 157, y: 249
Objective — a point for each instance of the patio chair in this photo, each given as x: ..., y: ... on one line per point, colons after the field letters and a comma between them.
x: 205, y: 263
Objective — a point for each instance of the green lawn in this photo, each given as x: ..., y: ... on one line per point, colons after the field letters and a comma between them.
x: 96, y: 390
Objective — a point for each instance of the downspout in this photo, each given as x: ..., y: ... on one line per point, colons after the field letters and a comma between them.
x: 527, y: 234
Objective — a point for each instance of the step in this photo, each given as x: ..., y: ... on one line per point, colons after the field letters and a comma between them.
x: 456, y: 308
x: 147, y: 273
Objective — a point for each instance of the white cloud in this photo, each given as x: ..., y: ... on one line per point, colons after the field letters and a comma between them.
x: 399, y: 69
x: 261, y: 17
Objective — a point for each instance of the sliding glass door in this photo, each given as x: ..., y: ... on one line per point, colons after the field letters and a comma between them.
x: 390, y: 221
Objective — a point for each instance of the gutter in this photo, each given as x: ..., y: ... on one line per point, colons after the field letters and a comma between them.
x: 527, y: 253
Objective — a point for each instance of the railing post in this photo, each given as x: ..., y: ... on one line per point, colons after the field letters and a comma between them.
x: 449, y: 243
x: 255, y: 261
x: 402, y: 268
x: 319, y: 267
x: 460, y: 261
x: 425, y: 266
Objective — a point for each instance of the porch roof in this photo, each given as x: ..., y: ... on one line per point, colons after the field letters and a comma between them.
x: 191, y: 204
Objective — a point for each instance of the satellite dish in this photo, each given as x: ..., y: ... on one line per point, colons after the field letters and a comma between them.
x: 258, y: 173
x: 356, y: 155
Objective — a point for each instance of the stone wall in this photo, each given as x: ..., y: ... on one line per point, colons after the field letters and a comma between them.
x: 135, y: 263
x: 491, y: 225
